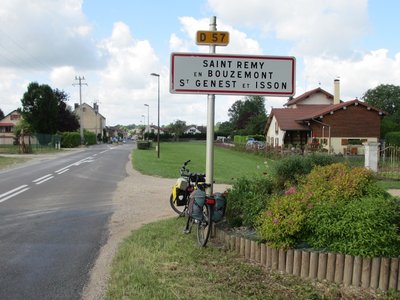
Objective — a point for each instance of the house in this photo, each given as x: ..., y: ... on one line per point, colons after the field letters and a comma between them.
x: 91, y: 119
x: 193, y: 129
x: 320, y: 119
x: 7, y: 125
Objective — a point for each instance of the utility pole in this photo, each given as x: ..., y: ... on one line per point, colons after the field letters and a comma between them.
x: 79, y: 79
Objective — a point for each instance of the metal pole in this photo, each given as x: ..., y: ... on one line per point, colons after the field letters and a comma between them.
x: 148, y: 121
x: 158, y: 115
x: 158, y: 118
x: 210, y: 124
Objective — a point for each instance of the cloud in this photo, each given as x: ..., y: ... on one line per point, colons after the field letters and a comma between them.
x: 356, y: 75
x: 38, y: 35
x: 314, y: 27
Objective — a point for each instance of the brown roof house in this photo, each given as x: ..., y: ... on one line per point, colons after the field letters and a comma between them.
x: 320, y: 120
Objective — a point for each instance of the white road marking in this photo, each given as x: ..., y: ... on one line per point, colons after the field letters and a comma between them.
x: 43, y: 179
x: 13, y: 192
x: 62, y: 171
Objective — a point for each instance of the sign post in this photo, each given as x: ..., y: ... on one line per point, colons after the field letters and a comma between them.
x: 196, y: 73
x: 210, y: 124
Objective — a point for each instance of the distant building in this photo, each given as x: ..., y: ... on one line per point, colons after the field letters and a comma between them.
x: 92, y: 120
x: 7, y: 125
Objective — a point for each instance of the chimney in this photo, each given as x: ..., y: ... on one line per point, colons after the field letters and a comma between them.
x: 76, y: 105
x: 336, y: 93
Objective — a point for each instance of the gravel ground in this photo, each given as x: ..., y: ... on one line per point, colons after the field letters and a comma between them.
x: 139, y: 199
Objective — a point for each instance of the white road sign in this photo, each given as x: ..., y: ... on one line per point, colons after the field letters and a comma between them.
x: 194, y: 73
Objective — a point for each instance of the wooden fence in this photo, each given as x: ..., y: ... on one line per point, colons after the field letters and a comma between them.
x: 375, y: 273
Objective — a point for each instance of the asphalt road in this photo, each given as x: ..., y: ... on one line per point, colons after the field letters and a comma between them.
x: 53, y: 221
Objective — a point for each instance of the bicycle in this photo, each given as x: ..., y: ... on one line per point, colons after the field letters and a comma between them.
x: 202, y: 216
x: 184, y: 186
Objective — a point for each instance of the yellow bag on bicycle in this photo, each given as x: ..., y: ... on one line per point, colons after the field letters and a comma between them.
x: 196, y: 202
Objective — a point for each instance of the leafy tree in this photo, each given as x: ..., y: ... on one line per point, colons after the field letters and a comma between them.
x: 21, y: 130
x: 40, y: 108
x: 67, y: 120
x: 384, y: 96
x: 225, y: 128
x: 1, y: 114
x: 177, y: 128
x: 242, y: 113
x: 387, y: 98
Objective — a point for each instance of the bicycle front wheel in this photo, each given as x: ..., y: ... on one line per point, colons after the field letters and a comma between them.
x: 204, y: 226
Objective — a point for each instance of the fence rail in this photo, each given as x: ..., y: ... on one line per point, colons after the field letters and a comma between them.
x: 376, y: 273
x: 389, y: 162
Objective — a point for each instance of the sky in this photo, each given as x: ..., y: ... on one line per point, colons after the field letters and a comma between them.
x: 116, y: 45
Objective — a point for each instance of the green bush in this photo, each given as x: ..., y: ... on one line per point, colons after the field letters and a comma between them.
x: 337, y: 208
x: 143, y: 145
x: 70, y: 139
x: 393, y: 138
x: 283, y: 223
x: 287, y: 171
x: 367, y: 226
x: 90, y: 138
x: 247, y: 198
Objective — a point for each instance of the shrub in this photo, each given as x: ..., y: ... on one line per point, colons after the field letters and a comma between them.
x: 393, y: 138
x: 288, y: 170
x: 90, y: 138
x: 282, y: 224
x: 247, y: 198
x: 70, y: 139
x: 335, y: 207
x: 367, y: 226
x: 337, y: 182
x: 143, y: 145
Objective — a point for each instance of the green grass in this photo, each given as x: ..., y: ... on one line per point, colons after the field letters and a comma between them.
x: 158, y: 261
x: 389, y: 184
x: 6, y: 162
x: 228, y: 164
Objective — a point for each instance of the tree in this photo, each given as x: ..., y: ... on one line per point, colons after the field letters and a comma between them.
x: 242, y: 113
x: 40, y: 108
x: 225, y: 128
x: 1, y: 114
x: 177, y: 128
x: 387, y: 98
x: 67, y: 120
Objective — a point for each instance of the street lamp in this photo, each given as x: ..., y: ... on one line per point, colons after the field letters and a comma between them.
x: 144, y: 124
x: 158, y: 114
x: 148, y: 122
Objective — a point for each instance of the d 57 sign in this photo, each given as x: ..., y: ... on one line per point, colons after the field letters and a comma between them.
x: 194, y: 73
x: 219, y: 38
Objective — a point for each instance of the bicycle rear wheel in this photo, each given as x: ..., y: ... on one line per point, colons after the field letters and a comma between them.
x: 180, y: 210
x: 204, y: 226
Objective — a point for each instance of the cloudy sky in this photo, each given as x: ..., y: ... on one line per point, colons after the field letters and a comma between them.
x: 116, y: 44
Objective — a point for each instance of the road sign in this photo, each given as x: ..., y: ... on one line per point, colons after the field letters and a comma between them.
x: 194, y: 73
x: 219, y: 38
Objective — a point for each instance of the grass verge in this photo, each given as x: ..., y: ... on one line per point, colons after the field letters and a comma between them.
x: 6, y: 162
x: 158, y: 261
x: 228, y: 164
